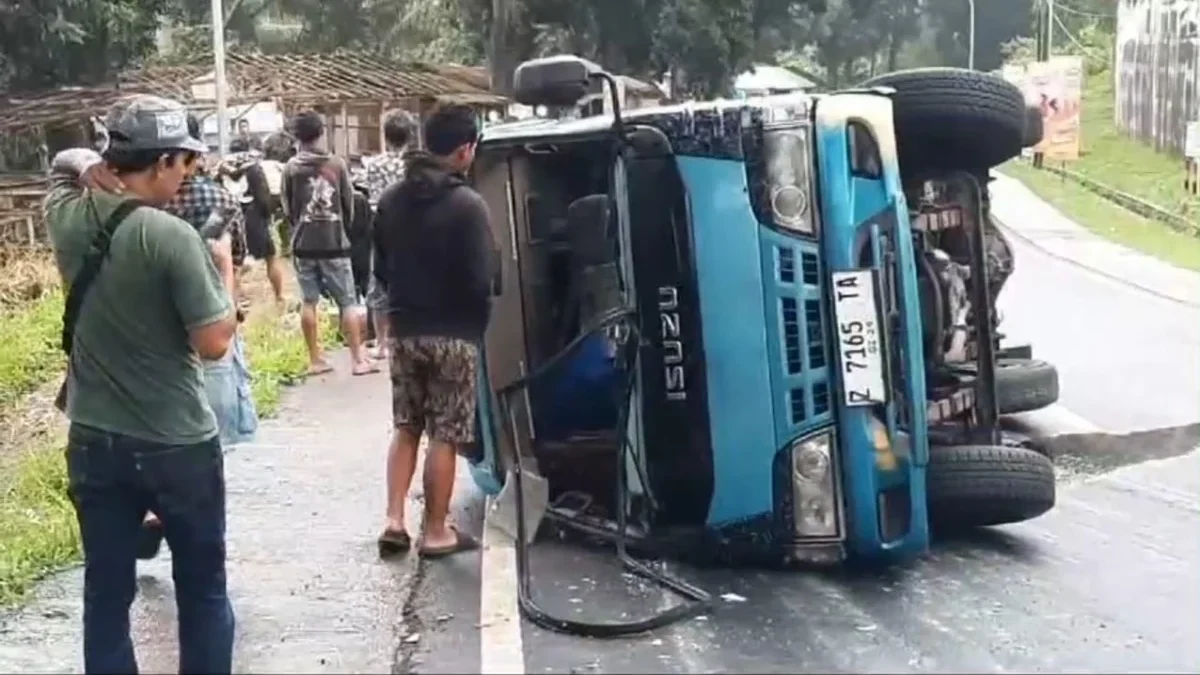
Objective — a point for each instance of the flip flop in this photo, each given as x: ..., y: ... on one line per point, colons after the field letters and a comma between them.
x: 358, y: 371
x: 319, y: 369
x: 149, y: 540
x: 462, y: 542
x: 393, y: 542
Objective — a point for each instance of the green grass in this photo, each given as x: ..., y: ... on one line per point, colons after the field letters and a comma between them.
x: 1125, y: 164
x: 278, y: 357
x: 1107, y: 219
x: 38, y: 532
x: 29, y: 349
x: 37, y: 523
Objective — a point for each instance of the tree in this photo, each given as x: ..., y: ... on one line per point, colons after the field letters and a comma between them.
x: 47, y: 43
x: 703, y: 43
x: 847, y: 41
x: 995, y: 24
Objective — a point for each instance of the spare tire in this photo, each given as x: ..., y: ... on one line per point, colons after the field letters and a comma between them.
x: 1023, y: 385
x: 970, y: 486
x: 950, y: 119
x: 1034, y: 128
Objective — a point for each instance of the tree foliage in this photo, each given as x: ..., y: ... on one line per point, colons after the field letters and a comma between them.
x: 52, y: 42
x: 701, y: 43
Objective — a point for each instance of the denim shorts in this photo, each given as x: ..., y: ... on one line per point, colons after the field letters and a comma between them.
x: 377, y: 296
x: 227, y: 382
x: 330, y: 277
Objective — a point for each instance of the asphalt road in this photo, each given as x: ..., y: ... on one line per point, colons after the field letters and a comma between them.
x: 1106, y: 582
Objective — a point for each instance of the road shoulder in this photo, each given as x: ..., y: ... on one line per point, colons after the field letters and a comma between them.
x: 1025, y: 215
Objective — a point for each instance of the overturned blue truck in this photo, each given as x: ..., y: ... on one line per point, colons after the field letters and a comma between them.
x: 760, y: 330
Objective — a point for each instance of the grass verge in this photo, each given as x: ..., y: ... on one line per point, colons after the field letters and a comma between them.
x: 277, y: 355
x: 37, y: 523
x: 38, y: 532
x: 29, y: 349
x: 1125, y: 164
x: 1107, y: 219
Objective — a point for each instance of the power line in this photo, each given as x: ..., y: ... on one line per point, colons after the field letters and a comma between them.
x: 1085, y: 51
x: 1060, y: 5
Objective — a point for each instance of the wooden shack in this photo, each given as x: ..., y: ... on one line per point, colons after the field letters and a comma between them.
x: 352, y: 90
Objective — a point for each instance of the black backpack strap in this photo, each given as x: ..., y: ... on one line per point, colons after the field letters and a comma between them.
x: 93, y: 260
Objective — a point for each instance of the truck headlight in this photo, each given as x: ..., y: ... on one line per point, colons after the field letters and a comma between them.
x: 787, y: 177
x: 815, y: 499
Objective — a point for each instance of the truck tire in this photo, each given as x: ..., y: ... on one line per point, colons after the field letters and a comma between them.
x: 1034, y: 129
x: 972, y: 486
x: 950, y: 119
x: 1023, y: 385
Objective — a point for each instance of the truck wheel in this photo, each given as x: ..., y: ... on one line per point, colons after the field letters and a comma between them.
x: 1034, y: 129
x: 1022, y: 385
x: 970, y: 486
x: 950, y: 119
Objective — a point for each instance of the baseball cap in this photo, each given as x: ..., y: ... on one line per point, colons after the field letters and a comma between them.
x: 145, y: 122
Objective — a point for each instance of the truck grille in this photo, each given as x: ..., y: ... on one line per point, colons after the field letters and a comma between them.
x: 796, y: 334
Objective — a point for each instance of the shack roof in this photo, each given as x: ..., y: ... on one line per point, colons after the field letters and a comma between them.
x: 299, y: 79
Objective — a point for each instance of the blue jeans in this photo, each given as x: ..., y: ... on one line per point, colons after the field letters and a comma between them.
x: 227, y: 383
x: 114, y: 481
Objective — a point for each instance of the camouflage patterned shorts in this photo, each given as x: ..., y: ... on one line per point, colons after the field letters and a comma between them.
x: 433, y: 387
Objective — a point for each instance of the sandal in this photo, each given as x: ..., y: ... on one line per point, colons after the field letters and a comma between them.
x: 393, y: 542
x: 316, y: 369
x: 462, y: 542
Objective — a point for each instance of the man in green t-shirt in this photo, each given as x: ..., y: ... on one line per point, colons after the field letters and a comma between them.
x: 143, y: 436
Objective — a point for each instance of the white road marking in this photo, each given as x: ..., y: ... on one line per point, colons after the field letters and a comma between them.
x: 500, y: 648
x: 1055, y: 420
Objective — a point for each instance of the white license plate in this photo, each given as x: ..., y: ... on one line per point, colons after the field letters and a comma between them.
x: 859, y: 341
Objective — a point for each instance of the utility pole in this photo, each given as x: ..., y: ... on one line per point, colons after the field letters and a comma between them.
x: 971, y: 37
x: 1049, y: 29
x: 218, y: 39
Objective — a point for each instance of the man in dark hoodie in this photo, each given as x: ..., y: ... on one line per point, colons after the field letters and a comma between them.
x: 435, y: 255
x: 318, y: 201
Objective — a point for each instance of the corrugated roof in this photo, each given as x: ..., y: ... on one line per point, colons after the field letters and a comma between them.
x: 302, y: 79
x: 762, y: 77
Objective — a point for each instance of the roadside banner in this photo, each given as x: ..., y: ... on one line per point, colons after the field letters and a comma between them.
x: 1191, y: 143
x: 1016, y: 75
x: 1056, y: 86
